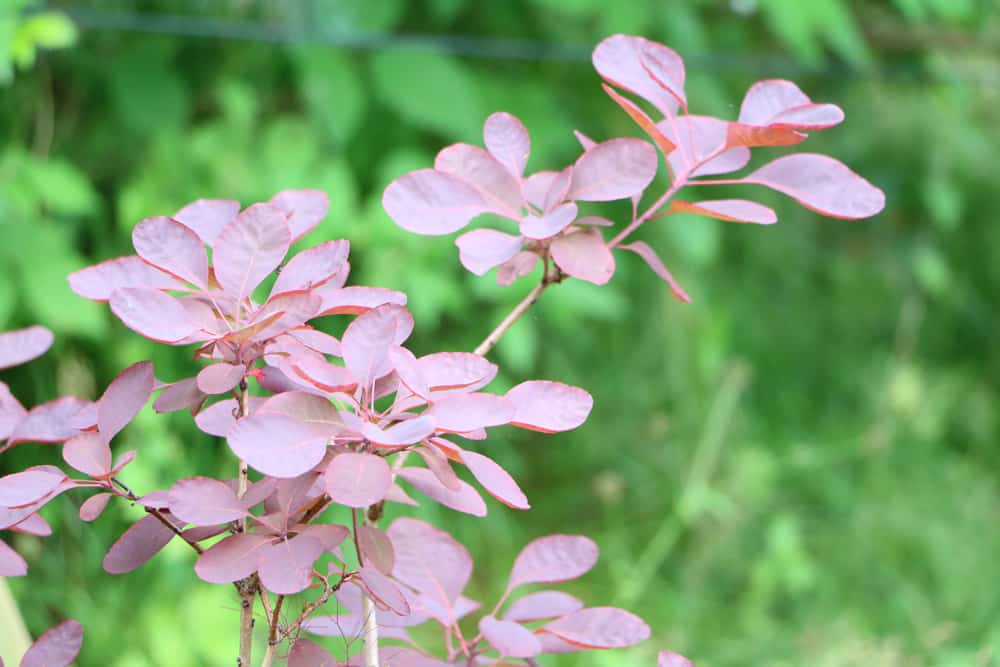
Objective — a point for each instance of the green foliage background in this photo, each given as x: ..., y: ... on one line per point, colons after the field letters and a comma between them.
x: 798, y: 469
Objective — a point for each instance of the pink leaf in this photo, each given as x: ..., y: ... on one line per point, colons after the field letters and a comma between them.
x: 308, y: 653
x: 93, y: 507
x: 542, y: 605
x: 465, y: 499
x: 458, y: 413
x: 403, y: 656
x: 407, y: 370
x: 358, y: 480
x: 821, y: 184
x: 179, y: 395
x: 231, y: 559
x: 665, y: 68
x: 123, y: 460
x: 432, y: 202
x: 615, y: 169
x: 549, y: 407
x: 98, y: 282
x: 249, y: 248
x: 317, y: 341
x: 552, y: 559
x: 172, y: 247
x: 600, y: 627
x: 11, y: 563
x: 323, y: 375
x: 35, y: 525
x: 89, y: 453
x: 138, y: 544
x: 730, y: 210
x: 207, y: 217
x: 281, y: 313
x: 376, y: 548
x: 58, y: 647
x: 123, y: 398
x: 475, y: 166
x: 429, y: 560
x: 519, y: 265
x: 356, y: 300
x: 618, y: 60
x: 408, y: 432
x: 702, y: 146
x: 205, y: 502
x: 482, y: 249
x: 220, y: 378
x: 381, y: 589
x: 217, y: 418
x: 152, y: 313
x: 11, y: 412
x: 285, y: 567
x: 584, y: 255
x: 497, y: 481
x: 642, y: 120
x: 278, y: 445
x: 438, y: 464
x: 671, y: 659
x: 304, y: 209
x: 367, y: 341
x: 29, y: 486
x: 507, y: 139
x: 48, y: 422
x: 642, y: 249
x: 774, y: 101
x: 550, y: 223
x: 313, y: 267
x: 23, y: 345
x: 305, y: 407
x: 509, y: 638
x: 456, y: 371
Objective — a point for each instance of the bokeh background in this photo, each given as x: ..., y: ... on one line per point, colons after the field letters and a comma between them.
x: 798, y: 469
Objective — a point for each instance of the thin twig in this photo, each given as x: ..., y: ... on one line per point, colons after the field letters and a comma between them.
x: 520, y: 309
x: 247, y: 587
x: 157, y: 513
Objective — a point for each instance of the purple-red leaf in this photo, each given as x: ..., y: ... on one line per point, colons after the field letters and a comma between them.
x: 99, y: 281
x: 308, y: 653
x: 432, y: 202
x: 729, y: 210
x: 407, y: 432
x: 93, y: 507
x: 303, y: 208
x: 376, y: 548
x: 249, y: 248
x: 507, y: 139
x: 138, y: 544
x: 313, y: 267
x: 456, y: 371
x: 285, y: 567
x: 322, y: 374
x: 203, y: 501
x: 123, y: 398
x: 278, y: 445
x: 220, y: 378
x: 179, y: 395
x: 358, y: 480
x: 207, y: 217
x: 89, y: 453
x: 152, y: 313
x: 465, y: 499
x: 519, y: 265
x: 482, y: 249
x: 11, y: 563
x: 430, y: 560
x: 509, y: 638
x: 23, y: 345
x: 642, y: 120
x: 29, y: 486
x: 618, y: 59
x: 615, y: 169
x: 458, y: 413
x: 776, y: 101
x: 552, y: 559
x: 356, y: 300
x: 382, y: 589
x: 542, y: 605
x: 58, y: 647
x: 550, y: 223
x: 671, y: 659
x: 584, y: 255
x: 497, y: 481
x: 477, y: 167
x: 368, y: 339
x: 821, y: 184
x: 549, y: 407
x: 649, y: 255
x: 231, y: 559
x: 172, y: 247
x: 600, y: 627
x: 48, y: 422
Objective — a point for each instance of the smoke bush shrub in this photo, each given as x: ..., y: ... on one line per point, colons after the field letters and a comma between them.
x: 337, y: 421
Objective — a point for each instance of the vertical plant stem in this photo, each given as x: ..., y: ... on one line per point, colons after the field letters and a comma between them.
x: 371, y: 632
x: 272, y: 639
x: 248, y: 586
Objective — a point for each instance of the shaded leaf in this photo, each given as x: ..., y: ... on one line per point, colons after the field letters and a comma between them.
x: 138, y: 544
x: 510, y: 638
x: 357, y: 479
x: 552, y: 559
x: 23, y: 345
x: 58, y: 647
x: 600, y: 627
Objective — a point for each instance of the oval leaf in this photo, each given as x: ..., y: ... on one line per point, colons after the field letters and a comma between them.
x: 152, y: 313
x: 552, y: 559
x: 600, y: 627
x: 584, y: 255
x: 138, y: 544
x: 58, y: 647
x: 172, y: 247
x: 615, y: 169
x: 358, y: 480
x: 250, y: 247
x: 432, y: 202
x: 23, y: 345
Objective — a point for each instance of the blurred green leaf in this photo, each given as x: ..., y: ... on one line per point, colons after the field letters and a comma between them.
x: 332, y: 91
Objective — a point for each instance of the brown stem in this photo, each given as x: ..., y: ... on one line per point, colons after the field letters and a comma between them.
x: 520, y: 309
x: 272, y: 638
x: 247, y: 587
x: 328, y: 590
